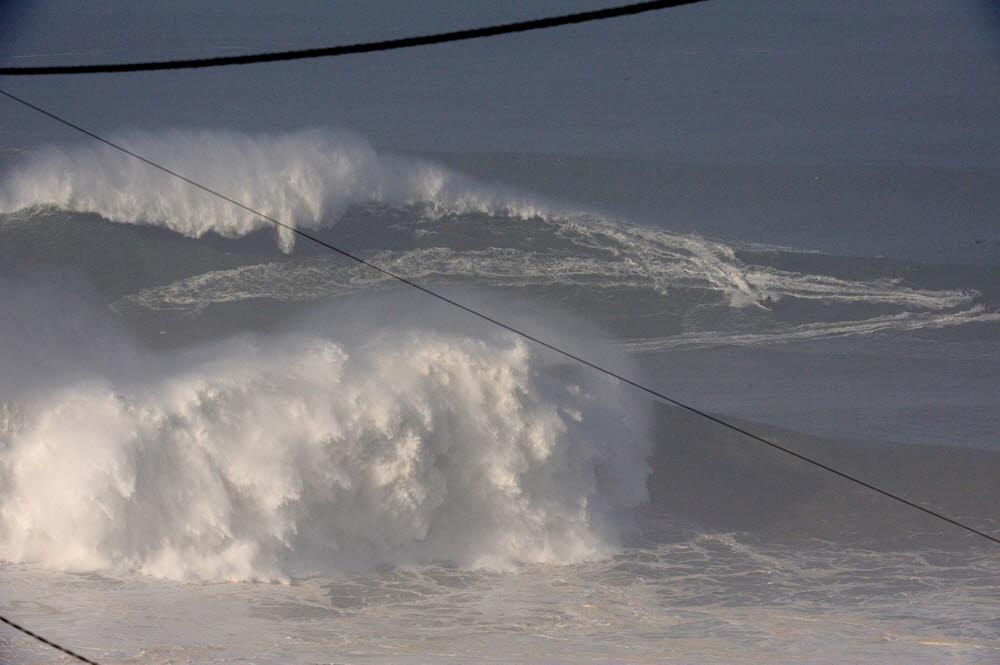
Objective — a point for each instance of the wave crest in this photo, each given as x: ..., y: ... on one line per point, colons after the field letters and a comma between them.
x: 305, y: 179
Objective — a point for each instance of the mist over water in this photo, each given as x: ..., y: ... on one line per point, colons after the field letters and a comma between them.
x: 189, y: 398
x: 266, y: 457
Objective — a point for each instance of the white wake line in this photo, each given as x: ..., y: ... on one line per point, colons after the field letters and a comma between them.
x: 508, y: 267
x: 812, y: 331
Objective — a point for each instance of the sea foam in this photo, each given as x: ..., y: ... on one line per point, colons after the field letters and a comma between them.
x: 266, y: 457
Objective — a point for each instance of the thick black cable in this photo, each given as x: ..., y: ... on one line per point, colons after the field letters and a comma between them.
x: 50, y: 643
x: 507, y: 327
x: 346, y: 49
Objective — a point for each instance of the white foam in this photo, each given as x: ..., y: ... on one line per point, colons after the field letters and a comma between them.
x: 741, y: 285
x: 272, y: 457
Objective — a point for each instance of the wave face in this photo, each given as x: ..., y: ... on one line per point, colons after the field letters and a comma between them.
x: 296, y: 454
x: 305, y: 179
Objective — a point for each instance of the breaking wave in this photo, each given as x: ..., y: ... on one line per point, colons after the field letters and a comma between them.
x: 285, y: 455
x: 305, y: 179
x: 310, y: 179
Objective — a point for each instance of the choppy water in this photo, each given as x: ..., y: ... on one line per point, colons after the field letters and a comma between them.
x: 219, y: 444
x: 709, y: 599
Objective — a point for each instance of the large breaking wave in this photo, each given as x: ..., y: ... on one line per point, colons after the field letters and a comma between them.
x: 310, y: 451
x: 305, y: 179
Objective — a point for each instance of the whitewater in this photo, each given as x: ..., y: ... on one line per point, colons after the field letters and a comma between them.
x: 221, y: 443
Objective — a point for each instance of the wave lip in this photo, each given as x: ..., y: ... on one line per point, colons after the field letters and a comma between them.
x: 296, y: 455
x: 304, y: 179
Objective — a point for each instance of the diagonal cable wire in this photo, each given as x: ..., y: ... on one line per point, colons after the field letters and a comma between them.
x: 366, y: 47
x: 516, y: 331
x: 82, y: 659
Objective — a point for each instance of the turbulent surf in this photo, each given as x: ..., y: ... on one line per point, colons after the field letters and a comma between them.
x: 190, y: 395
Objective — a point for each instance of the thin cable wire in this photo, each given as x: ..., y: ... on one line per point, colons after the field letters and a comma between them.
x: 510, y: 328
x: 50, y: 643
x: 346, y: 49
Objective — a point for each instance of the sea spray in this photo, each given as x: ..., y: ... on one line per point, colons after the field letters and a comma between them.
x: 269, y: 457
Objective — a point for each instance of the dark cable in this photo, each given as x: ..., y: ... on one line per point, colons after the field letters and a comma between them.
x: 367, y: 47
x: 48, y: 642
x: 505, y: 326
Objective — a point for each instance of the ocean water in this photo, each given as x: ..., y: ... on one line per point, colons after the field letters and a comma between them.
x: 220, y: 443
